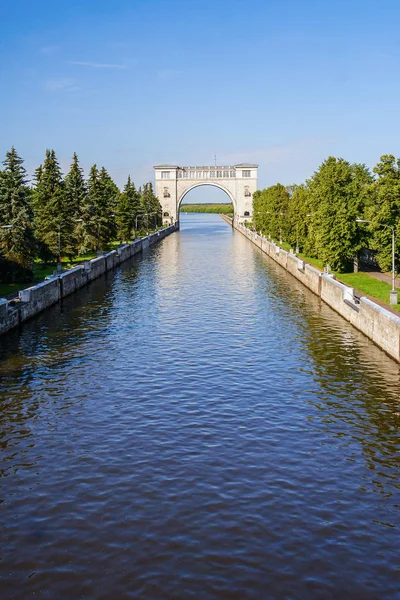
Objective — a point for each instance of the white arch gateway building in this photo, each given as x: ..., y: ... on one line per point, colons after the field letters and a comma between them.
x: 174, y: 182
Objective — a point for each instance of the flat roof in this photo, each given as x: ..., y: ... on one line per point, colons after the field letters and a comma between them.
x: 165, y: 167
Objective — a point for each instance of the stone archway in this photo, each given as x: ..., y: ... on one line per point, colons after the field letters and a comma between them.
x: 239, y: 182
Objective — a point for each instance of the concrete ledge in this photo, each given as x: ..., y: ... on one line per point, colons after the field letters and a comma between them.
x: 36, y: 298
x: 378, y: 324
x: 3, y: 308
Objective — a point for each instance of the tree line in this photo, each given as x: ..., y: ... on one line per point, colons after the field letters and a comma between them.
x: 83, y: 214
x: 222, y: 208
x: 321, y: 216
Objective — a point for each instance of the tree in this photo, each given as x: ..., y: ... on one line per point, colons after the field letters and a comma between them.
x: 151, y: 206
x: 74, y: 200
x: 384, y: 209
x: 270, y: 207
x: 98, y: 210
x: 17, y: 243
x: 128, y: 211
x: 110, y: 196
x: 53, y: 219
x: 337, y: 197
x: 299, y: 225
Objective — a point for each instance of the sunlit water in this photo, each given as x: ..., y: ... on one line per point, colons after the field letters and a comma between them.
x: 198, y: 425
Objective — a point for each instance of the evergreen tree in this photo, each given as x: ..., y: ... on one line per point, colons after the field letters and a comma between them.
x: 53, y: 219
x: 129, y: 211
x: 152, y: 210
x: 110, y: 193
x: 75, y: 197
x: 17, y: 242
x: 384, y: 209
x: 98, y: 210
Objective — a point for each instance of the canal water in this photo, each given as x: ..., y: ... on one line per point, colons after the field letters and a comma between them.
x: 198, y: 425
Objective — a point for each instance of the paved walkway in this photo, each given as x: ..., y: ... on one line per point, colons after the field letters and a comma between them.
x: 386, y: 277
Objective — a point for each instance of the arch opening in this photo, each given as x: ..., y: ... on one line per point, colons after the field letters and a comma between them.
x: 215, y: 196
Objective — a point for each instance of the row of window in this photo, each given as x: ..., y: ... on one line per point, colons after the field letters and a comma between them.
x: 204, y: 174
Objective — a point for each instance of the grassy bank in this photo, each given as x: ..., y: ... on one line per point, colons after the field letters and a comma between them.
x: 220, y: 209
x: 42, y: 270
x: 374, y: 288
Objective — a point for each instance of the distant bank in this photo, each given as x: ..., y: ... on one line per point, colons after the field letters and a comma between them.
x: 220, y: 209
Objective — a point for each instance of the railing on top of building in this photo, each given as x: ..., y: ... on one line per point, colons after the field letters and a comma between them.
x: 206, y: 172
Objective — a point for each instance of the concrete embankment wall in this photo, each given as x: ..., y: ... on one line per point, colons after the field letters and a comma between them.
x: 227, y: 219
x: 377, y: 323
x: 34, y: 299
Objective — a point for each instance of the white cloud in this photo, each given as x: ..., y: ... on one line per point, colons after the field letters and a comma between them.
x: 60, y: 84
x: 96, y: 65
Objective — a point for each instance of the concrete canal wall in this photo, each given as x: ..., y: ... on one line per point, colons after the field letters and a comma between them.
x: 377, y: 323
x: 34, y: 299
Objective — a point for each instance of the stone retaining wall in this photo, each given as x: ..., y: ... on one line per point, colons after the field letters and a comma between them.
x: 377, y: 323
x: 34, y: 299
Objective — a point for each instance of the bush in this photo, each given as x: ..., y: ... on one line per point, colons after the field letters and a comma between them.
x: 12, y: 272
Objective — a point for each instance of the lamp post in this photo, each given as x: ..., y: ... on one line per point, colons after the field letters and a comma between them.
x: 393, y: 292
x: 59, y: 266
x: 6, y: 226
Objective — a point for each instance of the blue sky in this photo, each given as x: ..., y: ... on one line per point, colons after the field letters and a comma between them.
x: 131, y: 84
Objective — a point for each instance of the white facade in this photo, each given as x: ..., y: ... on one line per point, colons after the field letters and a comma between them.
x: 172, y: 183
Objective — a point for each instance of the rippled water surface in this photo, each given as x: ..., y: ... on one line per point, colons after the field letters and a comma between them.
x: 198, y: 425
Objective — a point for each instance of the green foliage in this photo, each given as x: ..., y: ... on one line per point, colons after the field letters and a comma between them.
x: 17, y: 242
x: 220, y: 209
x: 52, y: 217
x: 98, y: 210
x: 383, y: 209
x: 337, y: 197
x: 298, y: 224
x: 129, y: 212
x: 320, y: 216
x: 151, y: 207
x: 74, y: 200
x: 270, y: 207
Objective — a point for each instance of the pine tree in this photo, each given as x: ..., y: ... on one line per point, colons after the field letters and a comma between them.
x: 53, y: 219
x: 110, y: 194
x: 128, y: 211
x: 98, y: 210
x: 75, y: 197
x: 152, y: 210
x: 17, y: 242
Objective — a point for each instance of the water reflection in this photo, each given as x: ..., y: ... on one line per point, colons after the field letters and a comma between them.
x: 203, y: 426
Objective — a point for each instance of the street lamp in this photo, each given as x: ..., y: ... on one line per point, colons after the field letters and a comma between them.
x: 393, y: 292
x: 59, y: 265
x: 6, y: 226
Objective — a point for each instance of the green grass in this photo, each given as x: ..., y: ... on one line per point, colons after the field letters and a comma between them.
x: 42, y: 270
x: 368, y: 285
x: 375, y: 289
x: 225, y: 209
